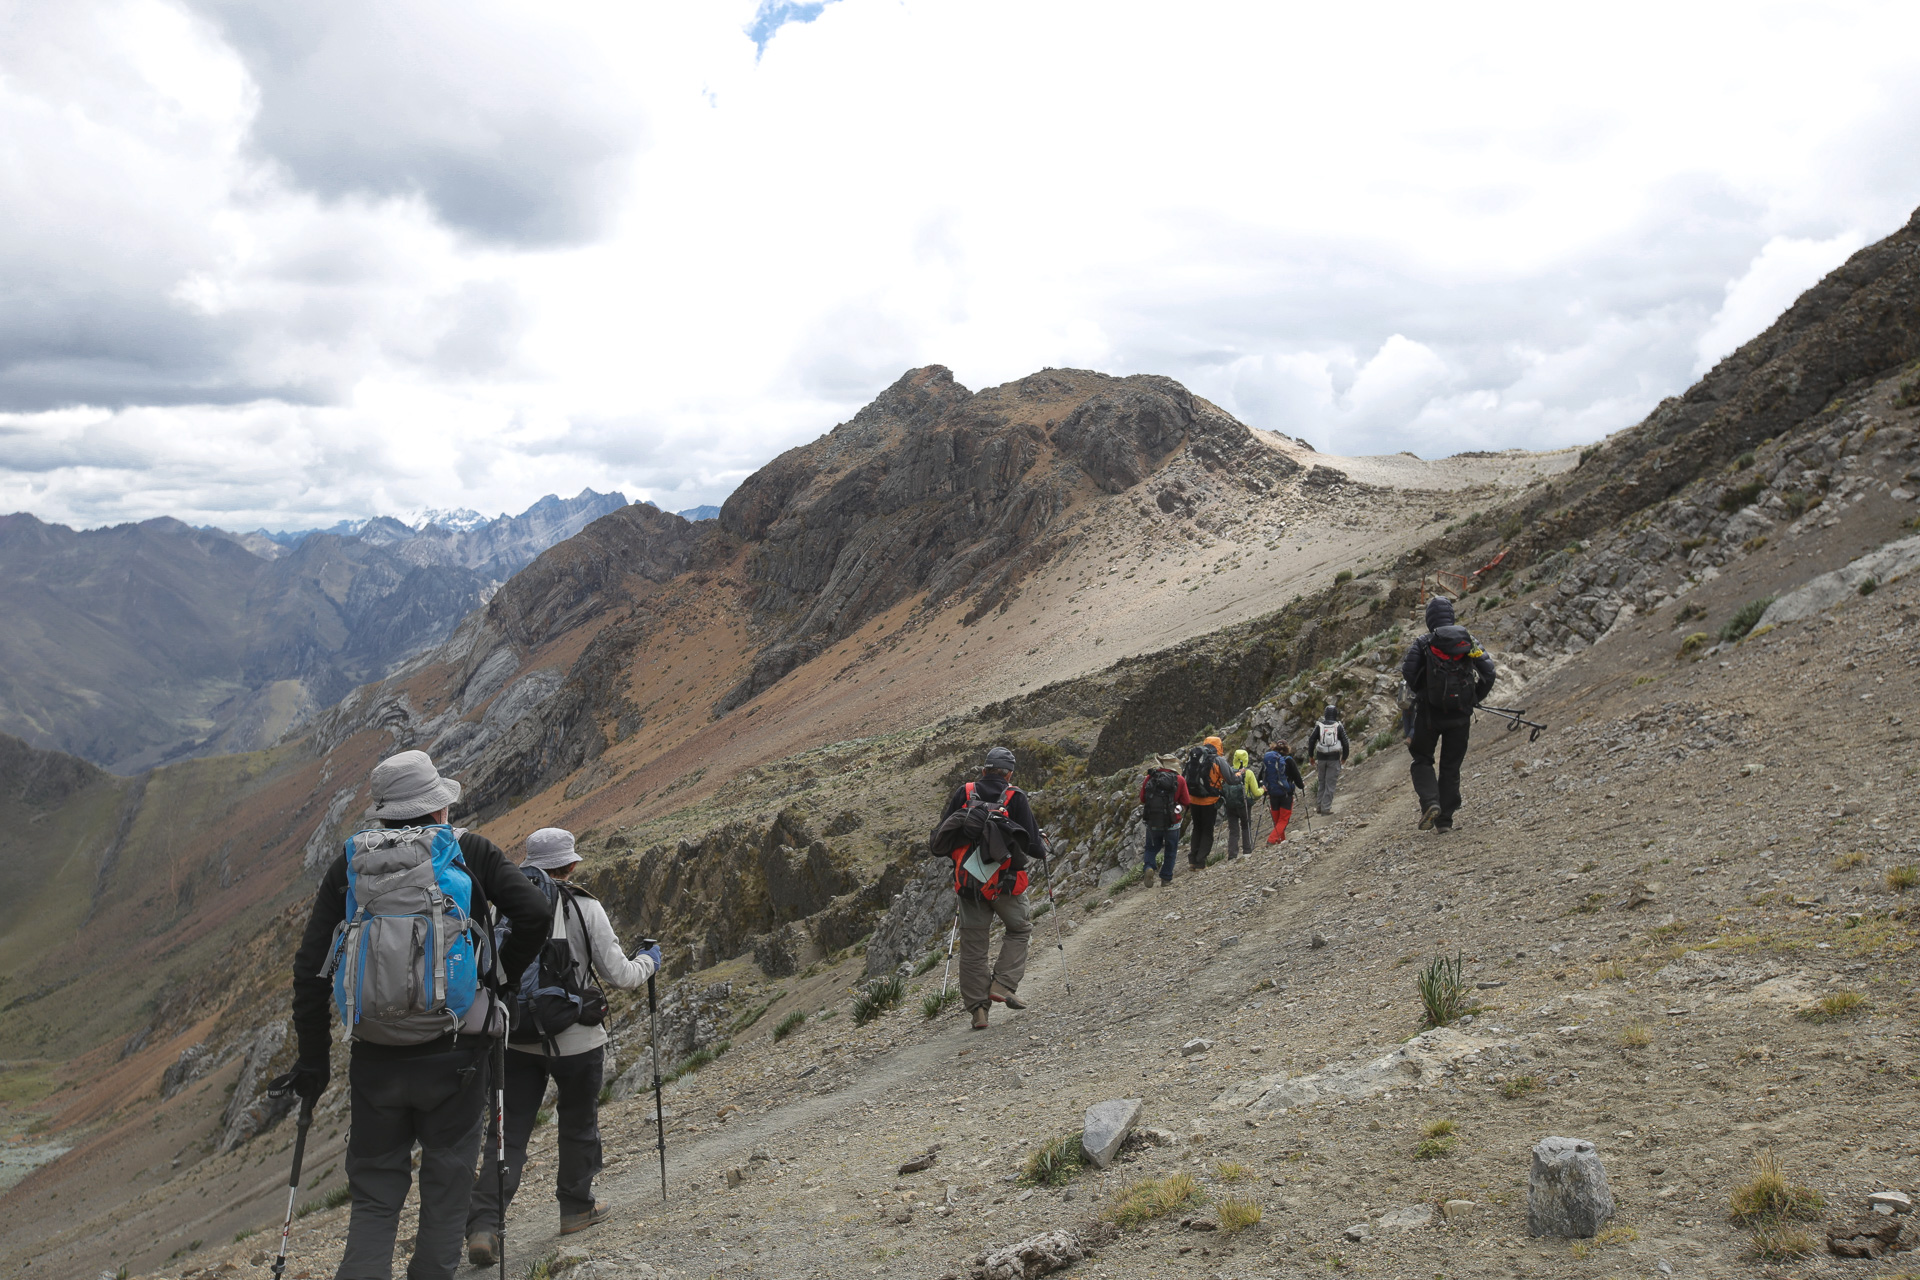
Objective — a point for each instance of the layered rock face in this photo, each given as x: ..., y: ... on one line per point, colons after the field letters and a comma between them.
x: 934, y: 488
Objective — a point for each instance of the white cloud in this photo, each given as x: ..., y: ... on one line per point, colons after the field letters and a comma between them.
x: 284, y: 263
x: 1784, y: 269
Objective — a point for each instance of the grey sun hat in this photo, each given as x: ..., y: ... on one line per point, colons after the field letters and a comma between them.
x: 1000, y: 758
x: 408, y: 786
x: 551, y: 848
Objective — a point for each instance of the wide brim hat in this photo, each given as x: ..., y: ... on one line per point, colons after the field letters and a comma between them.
x: 408, y: 786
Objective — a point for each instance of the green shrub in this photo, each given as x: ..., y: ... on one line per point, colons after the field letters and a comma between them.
x: 934, y: 1001
x: 1443, y: 991
x: 1693, y: 644
x: 1742, y: 462
x: 1345, y: 575
x: 876, y: 997
x: 927, y: 962
x: 1868, y: 587
x: 1055, y: 1162
x: 1742, y: 621
x: 788, y: 1025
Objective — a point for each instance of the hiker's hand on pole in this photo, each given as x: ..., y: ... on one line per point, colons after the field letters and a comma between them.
x: 649, y: 950
x: 307, y: 1081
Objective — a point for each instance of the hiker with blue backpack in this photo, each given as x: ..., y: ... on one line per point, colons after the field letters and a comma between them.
x: 559, y: 1035
x: 1449, y: 674
x: 398, y: 943
x: 1281, y: 778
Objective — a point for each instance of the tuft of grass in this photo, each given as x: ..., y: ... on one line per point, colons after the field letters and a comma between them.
x: 1438, y: 1129
x: 1436, y: 1141
x: 332, y: 1200
x: 1611, y: 971
x: 1519, y: 1087
x: 1901, y: 879
x: 1769, y: 1197
x: 876, y: 997
x: 1128, y: 880
x: 1237, y: 1215
x: 1344, y: 576
x: 1231, y: 1171
x: 1621, y: 1234
x: 1444, y: 995
x: 1743, y: 619
x: 788, y: 1025
x: 934, y: 1001
x: 1849, y: 860
x: 1780, y: 1242
x: 1694, y: 643
x: 927, y: 962
x: 1688, y: 612
x: 543, y: 1117
x: 1744, y: 461
x: 1839, y: 1005
x: 1150, y: 1198
x: 750, y: 1017
x: 238, y: 1236
x: 696, y: 1060
x: 1055, y: 1162
x: 543, y: 1268
x: 1743, y: 496
x: 1635, y: 1035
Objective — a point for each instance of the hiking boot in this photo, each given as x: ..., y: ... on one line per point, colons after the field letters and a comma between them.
x: 482, y: 1248
x: 1428, y: 818
x: 1443, y: 825
x: 572, y: 1222
x: 1003, y: 996
x: 980, y: 1018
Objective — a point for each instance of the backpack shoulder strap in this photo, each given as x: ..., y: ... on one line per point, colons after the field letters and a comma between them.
x: 570, y: 897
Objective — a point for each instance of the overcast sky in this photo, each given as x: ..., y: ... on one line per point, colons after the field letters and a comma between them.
x: 282, y: 262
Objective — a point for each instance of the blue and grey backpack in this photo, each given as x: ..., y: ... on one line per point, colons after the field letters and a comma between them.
x: 406, y: 959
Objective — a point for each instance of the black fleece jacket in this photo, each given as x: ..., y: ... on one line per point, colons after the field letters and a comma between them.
x: 1017, y: 808
x: 495, y: 880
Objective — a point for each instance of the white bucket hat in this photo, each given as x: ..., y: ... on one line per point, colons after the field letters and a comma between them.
x: 408, y: 786
x: 551, y: 848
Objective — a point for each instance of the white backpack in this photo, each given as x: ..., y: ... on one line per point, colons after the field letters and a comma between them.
x: 1328, y: 743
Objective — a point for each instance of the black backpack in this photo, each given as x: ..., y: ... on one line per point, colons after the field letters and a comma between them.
x: 1199, y: 773
x: 552, y: 994
x: 1451, y: 685
x: 1163, y: 790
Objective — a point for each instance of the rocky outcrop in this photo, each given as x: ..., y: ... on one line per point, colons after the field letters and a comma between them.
x: 916, y: 920
x: 251, y: 1110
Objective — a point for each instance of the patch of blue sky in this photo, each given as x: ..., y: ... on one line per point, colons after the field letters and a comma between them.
x: 775, y: 14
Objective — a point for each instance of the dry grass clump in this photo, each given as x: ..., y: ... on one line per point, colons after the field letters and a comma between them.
x: 1848, y: 860
x: 1840, y: 1004
x: 1231, y: 1171
x: 1055, y: 1162
x: 1769, y: 1198
x: 1608, y: 1235
x: 1779, y: 1242
x: 1238, y: 1215
x: 1151, y: 1198
x: 1901, y: 879
x: 1437, y: 1140
x: 1635, y: 1035
x: 1611, y: 971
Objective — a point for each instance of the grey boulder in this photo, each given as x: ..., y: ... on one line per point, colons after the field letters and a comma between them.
x: 1567, y: 1192
x: 1039, y: 1255
x: 1106, y: 1126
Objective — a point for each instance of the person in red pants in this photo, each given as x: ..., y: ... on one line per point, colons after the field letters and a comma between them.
x: 1281, y: 777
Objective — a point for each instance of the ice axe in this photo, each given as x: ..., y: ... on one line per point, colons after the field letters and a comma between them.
x: 278, y: 1089
x: 659, y: 1112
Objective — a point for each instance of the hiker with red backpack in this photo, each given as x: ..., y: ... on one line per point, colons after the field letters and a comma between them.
x: 559, y: 1035
x: 1449, y: 674
x: 989, y: 832
x: 1163, y: 799
x: 1281, y: 777
x: 398, y: 943
x: 1206, y: 783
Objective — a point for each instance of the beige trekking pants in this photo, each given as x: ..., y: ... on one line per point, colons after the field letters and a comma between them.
x: 976, y: 920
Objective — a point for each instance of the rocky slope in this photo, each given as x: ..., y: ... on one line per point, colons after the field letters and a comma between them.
x: 155, y: 641
x: 751, y: 723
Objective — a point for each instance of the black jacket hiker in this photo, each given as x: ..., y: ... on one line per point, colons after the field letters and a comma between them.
x: 1438, y: 792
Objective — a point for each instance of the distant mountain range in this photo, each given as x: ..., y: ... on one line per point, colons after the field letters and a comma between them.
x: 699, y: 513
x: 147, y: 642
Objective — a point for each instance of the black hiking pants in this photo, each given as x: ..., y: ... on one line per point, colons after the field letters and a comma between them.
x: 1200, y: 848
x: 1450, y: 736
x: 577, y: 1076
x: 439, y: 1101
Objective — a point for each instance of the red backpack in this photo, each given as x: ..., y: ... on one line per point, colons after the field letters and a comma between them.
x: 980, y: 817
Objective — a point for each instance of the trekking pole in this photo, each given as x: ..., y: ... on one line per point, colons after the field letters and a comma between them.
x: 952, y: 935
x: 1059, y: 930
x: 659, y: 1112
x: 497, y: 1063
x: 279, y: 1088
